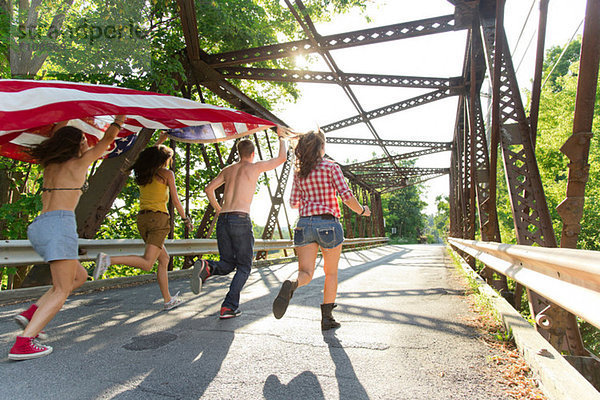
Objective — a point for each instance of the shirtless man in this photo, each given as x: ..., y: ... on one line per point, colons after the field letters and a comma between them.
x: 234, y: 227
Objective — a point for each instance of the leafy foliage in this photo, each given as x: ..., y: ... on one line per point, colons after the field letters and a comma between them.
x: 403, y: 210
x: 560, y: 64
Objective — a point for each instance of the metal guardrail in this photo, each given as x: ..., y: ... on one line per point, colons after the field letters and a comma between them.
x: 19, y: 252
x: 569, y: 278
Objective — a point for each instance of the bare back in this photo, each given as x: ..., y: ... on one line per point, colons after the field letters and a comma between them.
x: 68, y: 174
x: 240, y: 185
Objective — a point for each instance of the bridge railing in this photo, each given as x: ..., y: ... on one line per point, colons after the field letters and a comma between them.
x: 19, y: 252
x: 569, y: 278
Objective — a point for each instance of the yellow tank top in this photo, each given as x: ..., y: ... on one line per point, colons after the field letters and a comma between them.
x: 154, y: 196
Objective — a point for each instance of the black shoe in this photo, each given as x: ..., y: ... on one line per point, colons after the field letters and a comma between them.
x: 281, y: 302
x: 200, y: 273
x: 327, y: 320
x: 229, y: 313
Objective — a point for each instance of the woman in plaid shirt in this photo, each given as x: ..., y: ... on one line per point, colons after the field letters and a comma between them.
x: 317, y: 182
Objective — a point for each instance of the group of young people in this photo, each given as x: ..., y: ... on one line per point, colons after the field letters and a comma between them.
x: 66, y: 157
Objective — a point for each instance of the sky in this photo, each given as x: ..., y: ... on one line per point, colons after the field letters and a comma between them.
x: 439, y: 55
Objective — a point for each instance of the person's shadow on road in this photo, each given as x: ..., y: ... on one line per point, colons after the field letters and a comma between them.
x: 304, y: 386
x: 348, y: 384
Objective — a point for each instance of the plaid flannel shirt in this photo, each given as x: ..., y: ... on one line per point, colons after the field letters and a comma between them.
x: 316, y: 194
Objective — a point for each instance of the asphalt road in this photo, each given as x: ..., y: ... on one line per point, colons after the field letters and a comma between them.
x: 403, y: 336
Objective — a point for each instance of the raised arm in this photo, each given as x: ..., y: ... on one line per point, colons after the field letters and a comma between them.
x: 268, y: 165
x: 175, y: 196
x: 210, y: 191
x: 109, y: 136
x: 161, y: 138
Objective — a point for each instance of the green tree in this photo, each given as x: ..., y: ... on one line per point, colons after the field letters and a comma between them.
x: 561, y: 66
x: 441, y: 219
x: 403, y: 210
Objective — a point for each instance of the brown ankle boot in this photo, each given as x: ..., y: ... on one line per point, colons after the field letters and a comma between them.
x: 327, y: 321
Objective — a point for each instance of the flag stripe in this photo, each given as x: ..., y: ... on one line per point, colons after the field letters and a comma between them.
x: 33, y: 107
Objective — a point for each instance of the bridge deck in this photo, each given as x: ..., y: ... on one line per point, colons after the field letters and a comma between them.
x: 403, y: 336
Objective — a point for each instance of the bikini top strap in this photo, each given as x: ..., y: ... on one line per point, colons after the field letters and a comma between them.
x: 83, y: 188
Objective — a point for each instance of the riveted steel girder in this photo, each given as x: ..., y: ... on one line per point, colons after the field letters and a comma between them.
x: 530, y: 211
x: 385, y: 142
x: 488, y: 219
x: 390, y: 109
x: 287, y: 75
x: 528, y: 202
x: 404, y: 183
x: 391, y: 172
x: 577, y: 147
x: 362, y: 37
x: 405, y: 156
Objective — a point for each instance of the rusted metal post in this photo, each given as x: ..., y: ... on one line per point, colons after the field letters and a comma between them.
x: 369, y: 221
x: 452, y: 198
x: 530, y: 211
x: 268, y: 231
x: 539, y: 65
x: 186, y: 230
x: 577, y: 147
x: 347, y: 221
x: 355, y: 221
x: 171, y: 207
x: 495, y: 130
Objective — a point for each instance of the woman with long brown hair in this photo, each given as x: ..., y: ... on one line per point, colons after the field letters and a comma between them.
x: 65, y: 157
x: 156, y: 183
x: 317, y: 182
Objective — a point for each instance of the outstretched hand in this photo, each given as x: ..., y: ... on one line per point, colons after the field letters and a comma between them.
x: 162, y: 136
x: 286, y: 133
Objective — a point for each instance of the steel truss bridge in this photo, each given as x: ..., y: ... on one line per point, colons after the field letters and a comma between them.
x: 475, y: 150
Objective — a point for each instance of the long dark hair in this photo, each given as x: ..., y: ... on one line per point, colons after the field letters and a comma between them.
x: 149, y: 162
x: 308, y: 152
x: 62, y: 146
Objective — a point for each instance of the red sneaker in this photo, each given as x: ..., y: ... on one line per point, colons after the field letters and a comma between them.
x: 23, y: 320
x: 26, y: 348
x: 229, y: 313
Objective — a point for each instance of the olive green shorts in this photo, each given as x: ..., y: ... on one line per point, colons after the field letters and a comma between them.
x: 154, y: 226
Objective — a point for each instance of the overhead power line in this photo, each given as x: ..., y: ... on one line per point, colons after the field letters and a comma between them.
x: 562, y: 54
x: 523, y: 27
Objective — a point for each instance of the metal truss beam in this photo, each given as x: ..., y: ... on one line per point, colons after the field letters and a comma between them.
x: 385, y: 142
x: 387, y: 110
x: 288, y: 75
x: 410, y: 182
x: 362, y: 37
x: 404, y: 171
x: 405, y: 156
x: 528, y: 202
x: 488, y: 218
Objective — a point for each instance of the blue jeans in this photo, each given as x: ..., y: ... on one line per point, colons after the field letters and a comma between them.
x: 236, y: 248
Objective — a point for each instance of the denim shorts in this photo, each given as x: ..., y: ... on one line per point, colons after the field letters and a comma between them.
x: 327, y: 233
x: 53, y: 235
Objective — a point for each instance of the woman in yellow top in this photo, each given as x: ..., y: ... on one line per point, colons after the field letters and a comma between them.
x: 156, y: 182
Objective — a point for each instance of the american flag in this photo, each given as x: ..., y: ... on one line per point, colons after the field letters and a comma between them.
x: 29, y: 109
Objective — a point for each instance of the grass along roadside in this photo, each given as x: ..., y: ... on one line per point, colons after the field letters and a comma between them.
x: 520, y: 381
